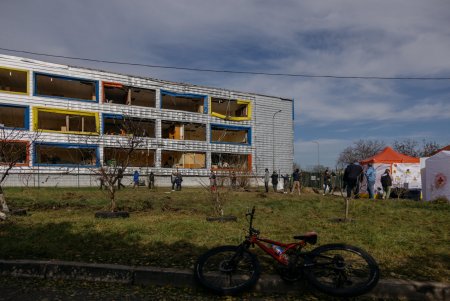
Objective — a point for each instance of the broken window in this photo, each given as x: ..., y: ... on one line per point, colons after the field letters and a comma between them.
x: 65, y: 154
x: 183, y: 102
x: 13, y: 80
x: 174, y: 159
x: 65, y: 87
x: 119, y: 125
x: 14, y: 152
x: 239, y: 162
x: 114, y: 156
x: 65, y: 121
x: 126, y: 95
x: 230, y: 134
x: 14, y: 116
x: 183, y: 131
x: 231, y: 109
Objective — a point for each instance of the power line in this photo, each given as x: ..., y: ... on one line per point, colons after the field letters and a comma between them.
x: 227, y: 71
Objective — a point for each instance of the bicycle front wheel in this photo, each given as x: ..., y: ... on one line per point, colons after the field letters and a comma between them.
x: 342, y: 270
x: 227, y: 270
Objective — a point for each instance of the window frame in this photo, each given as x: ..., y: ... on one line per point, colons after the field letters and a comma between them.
x: 27, y: 83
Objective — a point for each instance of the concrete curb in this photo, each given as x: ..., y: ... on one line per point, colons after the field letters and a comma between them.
x: 389, y: 288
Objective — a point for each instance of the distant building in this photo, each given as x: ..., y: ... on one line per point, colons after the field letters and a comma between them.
x: 190, y: 127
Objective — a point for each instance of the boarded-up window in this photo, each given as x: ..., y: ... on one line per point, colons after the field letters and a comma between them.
x: 174, y: 159
x: 183, y: 131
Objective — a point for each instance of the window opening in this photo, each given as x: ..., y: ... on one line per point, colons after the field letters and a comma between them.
x: 183, y: 131
x: 228, y: 134
x: 13, y: 117
x: 226, y: 161
x: 65, y: 87
x: 120, y: 94
x: 138, y: 158
x: 14, y: 152
x: 177, y: 159
x: 118, y: 125
x: 80, y: 155
x: 66, y: 121
x: 12, y: 80
x: 231, y: 109
x: 183, y: 102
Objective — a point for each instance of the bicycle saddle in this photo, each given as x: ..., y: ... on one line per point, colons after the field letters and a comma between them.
x: 309, y: 237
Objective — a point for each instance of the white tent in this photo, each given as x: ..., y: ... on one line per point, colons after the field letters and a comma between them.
x: 437, y: 176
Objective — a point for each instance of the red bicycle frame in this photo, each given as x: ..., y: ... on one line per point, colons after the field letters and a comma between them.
x: 262, y: 243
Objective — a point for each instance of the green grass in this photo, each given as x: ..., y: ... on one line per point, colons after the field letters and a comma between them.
x: 409, y: 239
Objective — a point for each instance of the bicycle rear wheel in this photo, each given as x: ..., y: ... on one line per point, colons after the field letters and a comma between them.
x: 342, y: 270
x: 227, y: 270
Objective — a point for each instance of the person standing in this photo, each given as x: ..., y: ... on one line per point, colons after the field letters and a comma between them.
x: 212, y: 181
x: 178, y: 180
x: 352, y: 176
x: 386, y: 182
x: 151, y: 180
x: 266, y: 179
x: 274, y: 177
x: 326, y: 181
x: 296, y: 180
x: 136, y: 179
x: 286, y: 181
x: 119, y: 178
x: 173, y: 178
x: 371, y: 175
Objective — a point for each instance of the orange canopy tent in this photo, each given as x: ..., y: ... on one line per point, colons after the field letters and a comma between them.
x: 390, y: 156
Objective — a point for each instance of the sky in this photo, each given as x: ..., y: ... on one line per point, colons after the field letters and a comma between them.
x: 380, y: 38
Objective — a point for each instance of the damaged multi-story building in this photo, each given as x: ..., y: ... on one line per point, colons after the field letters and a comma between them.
x: 188, y: 127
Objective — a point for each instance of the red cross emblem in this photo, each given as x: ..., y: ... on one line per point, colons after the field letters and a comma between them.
x: 440, y: 180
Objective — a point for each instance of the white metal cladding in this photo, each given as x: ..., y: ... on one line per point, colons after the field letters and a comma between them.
x: 265, y: 143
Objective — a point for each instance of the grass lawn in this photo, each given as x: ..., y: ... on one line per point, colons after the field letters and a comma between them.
x: 409, y: 239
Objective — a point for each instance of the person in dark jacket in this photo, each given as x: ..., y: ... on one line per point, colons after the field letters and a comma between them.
x: 386, y: 182
x: 266, y: 179
x: 151, y: 180
x: 296, y: 181
x: 352, y: 176
x: 274, y: 177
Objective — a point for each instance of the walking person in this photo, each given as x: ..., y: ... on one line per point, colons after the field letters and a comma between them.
x: 151, y: 180
x: 296, y: 180
x: 326, y: 181
x: 136, y: 179
x: 119, y: 178
x: 352, y: 177
x: 266, y: 180
x: 371, y: 175
x: 274, y: 177
x: 386, y: 182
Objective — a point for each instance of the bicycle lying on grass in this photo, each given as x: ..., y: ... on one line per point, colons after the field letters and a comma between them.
x: 335, y: 269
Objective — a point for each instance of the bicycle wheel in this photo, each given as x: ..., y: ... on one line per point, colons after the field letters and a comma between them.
x: 341, y: 270
x: 227, y: 270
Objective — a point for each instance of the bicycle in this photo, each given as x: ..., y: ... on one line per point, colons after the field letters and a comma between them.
x: 336, y: 269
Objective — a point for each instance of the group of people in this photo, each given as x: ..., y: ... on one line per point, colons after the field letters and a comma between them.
x: 354, y: 175
x: 213, y: 180
x: 290, y: 182
x: 176, y: 179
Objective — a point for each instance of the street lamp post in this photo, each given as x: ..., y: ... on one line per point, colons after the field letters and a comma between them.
x: 273, y: 139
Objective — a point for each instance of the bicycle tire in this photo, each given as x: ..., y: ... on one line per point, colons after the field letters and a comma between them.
x: 341, y: 270
x: 213, y: 270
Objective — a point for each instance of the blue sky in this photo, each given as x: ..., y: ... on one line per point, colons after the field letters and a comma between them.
x: 387, y: 38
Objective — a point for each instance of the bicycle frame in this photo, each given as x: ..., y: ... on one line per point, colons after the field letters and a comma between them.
x: 254, y: 239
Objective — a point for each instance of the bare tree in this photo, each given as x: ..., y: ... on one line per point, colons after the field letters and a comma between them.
x: 360, y: 150
x: 429, y: 148
x: 121, y: 156
x: 409, y: 147
x: 14, y: 153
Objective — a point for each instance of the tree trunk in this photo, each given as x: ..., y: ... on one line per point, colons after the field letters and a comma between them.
x: 112, y: 196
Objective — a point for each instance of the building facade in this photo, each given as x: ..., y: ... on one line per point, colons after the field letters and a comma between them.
x: 78, y: 113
